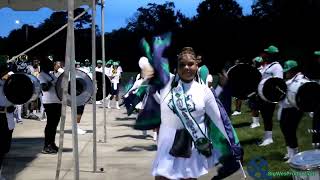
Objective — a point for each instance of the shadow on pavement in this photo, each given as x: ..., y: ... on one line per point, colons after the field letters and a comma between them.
x: 125, y: 125
x: 22, y: 152
x: 134, y: 136
x: 138, y: 148
x: 125, y: 119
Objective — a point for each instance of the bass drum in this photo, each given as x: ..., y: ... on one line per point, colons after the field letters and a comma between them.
x: 304, y: 94
x: 21, y: 88
x: 243, y: 80
x: 272, y: 89
x: 99, y: 79
x: 84, y: 88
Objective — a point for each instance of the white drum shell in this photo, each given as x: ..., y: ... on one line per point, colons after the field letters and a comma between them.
x: 307, y: 165
x: 293, y: 89
x: 260, y: 89
x: 262, y: 84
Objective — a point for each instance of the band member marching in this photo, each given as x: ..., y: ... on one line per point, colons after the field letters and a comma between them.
x: 115, y: 77
x: 48, y: 77
x: 253, y: 102
x: 7, y: 123
x: 271, y: 68
x: 316, y: 113
x: 290, y: 115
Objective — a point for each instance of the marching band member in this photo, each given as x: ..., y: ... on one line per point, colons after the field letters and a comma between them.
x: 109, y: 67
x: 80, y: 109
x: 238, y: 102
x: 120, y: 71
x: 253, y: 102
x: 115, y: 77
x: 271, y: 68
x: 87, y: 66
x: 77, y: 64
x: 22, y: 110
x: 290, y: 115
x: 316, y: 113
x: 143, y: 61
x: 57, y: 68
x: 7, y: 123
x: 99, y: 66
x: 107, y: 71
x: 52, y: 104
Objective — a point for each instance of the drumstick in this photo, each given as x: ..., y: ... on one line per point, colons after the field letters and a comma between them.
x: 243, y: 173
x: 251, y: 94
x: 280, y: 90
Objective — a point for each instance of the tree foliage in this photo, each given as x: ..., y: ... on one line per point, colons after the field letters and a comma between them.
x: 219, y: 32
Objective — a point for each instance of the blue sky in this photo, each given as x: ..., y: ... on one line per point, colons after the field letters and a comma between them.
x: 116, y: 13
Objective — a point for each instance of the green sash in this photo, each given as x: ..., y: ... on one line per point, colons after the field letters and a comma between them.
x: 201, y: 141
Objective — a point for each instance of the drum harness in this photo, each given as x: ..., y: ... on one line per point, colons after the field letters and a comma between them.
x: 270, y: 65
x: 294, y: 79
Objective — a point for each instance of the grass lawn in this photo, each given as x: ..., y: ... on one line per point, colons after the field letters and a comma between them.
x: 274, y: 152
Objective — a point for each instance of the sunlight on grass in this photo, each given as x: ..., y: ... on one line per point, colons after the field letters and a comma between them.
x: 274, y: 152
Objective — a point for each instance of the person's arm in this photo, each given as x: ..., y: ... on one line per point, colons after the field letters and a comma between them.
x: 44, y: 82
x: 212, y: 110
x: 134, y: 87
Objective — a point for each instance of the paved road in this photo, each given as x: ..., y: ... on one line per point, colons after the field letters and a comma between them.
x: 125, y: 156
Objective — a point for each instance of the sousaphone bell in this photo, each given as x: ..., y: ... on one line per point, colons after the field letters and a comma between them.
x: 21, y: 88
x: 84, y: 88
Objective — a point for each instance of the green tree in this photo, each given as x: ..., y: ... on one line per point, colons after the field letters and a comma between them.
x: 154, y: 19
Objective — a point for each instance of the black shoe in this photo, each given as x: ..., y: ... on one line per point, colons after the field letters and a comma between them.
x: 55, y: 147
x: 49, y: 150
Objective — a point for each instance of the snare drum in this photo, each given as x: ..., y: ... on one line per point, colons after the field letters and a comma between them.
x: 272, y: 89
x: 304, y: 94
x: 306, y: 165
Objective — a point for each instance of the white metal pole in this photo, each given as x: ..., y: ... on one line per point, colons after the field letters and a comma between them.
x: 63, y: 108
x: 94, y: 116
x: 46, y: 38
x: 64, y: 95
x: 71, y: 58
x: 103, y: 69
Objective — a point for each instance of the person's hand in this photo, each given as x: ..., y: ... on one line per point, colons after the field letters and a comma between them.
x: 148, y: 72
x: 5, y: 77
x: 222, y: 79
